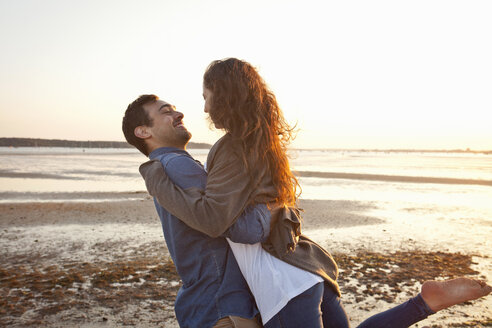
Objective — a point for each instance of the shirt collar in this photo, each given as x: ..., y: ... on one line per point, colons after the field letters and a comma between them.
x: 165, y: 150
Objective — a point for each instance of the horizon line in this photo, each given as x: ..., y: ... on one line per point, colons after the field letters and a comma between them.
x: 368, y: 149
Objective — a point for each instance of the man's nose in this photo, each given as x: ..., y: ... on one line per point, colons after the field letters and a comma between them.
x: 178, y: 115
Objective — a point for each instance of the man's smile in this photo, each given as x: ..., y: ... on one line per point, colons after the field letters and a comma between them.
x: 179, y: 124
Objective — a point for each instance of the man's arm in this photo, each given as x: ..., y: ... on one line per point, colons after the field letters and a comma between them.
x: 211, y: 210
x: 251, y: 227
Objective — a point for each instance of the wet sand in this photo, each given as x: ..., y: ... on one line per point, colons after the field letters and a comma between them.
x: 99, y: 260
x: 392, y: 178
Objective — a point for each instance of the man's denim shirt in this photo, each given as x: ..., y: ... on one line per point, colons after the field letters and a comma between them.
x: 213, y: 286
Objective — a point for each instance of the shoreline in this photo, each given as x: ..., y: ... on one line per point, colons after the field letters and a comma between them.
x: 10, y: 174
x: 391, y: 178
x: 73, y: 263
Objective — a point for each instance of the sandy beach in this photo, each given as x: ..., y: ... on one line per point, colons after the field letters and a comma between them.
x: 99, y: 260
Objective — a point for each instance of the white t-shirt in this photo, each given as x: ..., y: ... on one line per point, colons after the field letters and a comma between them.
x: 273, y: 282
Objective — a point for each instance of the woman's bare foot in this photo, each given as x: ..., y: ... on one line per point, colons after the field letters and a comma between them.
x: 442, y: 294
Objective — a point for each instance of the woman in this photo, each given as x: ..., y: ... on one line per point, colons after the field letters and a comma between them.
x: 249, y: 165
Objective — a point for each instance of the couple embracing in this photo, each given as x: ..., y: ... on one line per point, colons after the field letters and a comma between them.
x: 233, y: 229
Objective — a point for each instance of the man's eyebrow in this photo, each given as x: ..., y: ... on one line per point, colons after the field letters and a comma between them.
x: 166, y: 105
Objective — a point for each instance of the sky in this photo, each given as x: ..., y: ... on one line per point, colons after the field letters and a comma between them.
x: 349, y: 74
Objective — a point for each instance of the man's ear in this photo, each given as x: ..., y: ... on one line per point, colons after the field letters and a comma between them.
x: 142, y: 132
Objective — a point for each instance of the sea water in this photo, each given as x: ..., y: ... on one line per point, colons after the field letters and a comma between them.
x: 95, y: 169
x: 456, y: 213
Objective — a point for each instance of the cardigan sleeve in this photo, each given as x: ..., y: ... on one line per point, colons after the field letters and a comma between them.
x: 211, y: 211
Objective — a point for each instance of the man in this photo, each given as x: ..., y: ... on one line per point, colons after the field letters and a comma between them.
x: 214, y: 292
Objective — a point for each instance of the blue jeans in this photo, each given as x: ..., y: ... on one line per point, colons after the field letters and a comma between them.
x: 320, y: 307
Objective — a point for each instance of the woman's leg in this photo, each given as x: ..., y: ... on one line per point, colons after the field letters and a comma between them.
x: 301, y: 311
x: 317, y: 307
x: 334, y: 315
x: 401, y: 316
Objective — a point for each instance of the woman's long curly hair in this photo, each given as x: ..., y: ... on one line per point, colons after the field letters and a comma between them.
x: 244, y: 107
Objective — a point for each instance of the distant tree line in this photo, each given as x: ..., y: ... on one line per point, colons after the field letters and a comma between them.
x: 32, y: 142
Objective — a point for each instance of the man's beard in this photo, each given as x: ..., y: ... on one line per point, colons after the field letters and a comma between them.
x: 184, y: 137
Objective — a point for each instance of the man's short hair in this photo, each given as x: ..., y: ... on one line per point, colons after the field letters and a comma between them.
x: 136, y: 115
